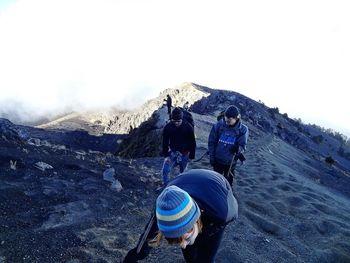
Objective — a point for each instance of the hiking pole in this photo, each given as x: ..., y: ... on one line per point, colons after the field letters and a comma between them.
x: 149, y: 225
x: 235, y: 158
x: 200, y: 158
x: 145, y: 234
x: 233, y: 163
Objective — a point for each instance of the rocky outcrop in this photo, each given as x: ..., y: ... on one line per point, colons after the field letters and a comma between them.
x: 146, y: 140
x: 8, y: 131
x: 125, y: 122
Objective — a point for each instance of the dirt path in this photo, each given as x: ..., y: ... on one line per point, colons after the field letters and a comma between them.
x: 285, y: 216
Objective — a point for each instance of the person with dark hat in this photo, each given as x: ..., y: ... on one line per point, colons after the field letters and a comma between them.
x: 227, y: 141
x: 190, y: 216
x: 179, y: 144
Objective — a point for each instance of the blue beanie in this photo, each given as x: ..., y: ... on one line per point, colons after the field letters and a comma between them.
x: 176, y: 212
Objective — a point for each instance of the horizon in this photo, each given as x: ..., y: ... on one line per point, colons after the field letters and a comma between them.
x: 59, y: 56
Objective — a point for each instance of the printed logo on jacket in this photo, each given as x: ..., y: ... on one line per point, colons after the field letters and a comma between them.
x: 227, y: 139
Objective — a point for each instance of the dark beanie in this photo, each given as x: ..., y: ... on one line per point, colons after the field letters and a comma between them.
x: 232, y: 112
x: 176, y: 212
x: 176, y: 114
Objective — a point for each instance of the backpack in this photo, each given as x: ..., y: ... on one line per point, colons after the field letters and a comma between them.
x: 187, y: 117
x: 220, y: 116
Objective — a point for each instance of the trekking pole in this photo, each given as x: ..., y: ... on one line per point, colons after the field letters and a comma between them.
x: 145, y: 234
x: 149, y: 226
x: 200, y: 158
x: 233, y: 163
x: 235, y: 158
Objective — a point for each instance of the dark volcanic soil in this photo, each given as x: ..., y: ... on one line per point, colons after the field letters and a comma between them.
x: 292, y: 208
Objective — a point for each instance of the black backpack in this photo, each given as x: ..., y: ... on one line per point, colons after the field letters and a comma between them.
x: 188, y: 117
x: 220, y: 116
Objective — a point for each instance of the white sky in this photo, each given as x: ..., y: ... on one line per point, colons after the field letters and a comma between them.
x: 82, y: 53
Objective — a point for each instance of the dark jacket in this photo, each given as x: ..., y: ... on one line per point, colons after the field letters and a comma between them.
x: 179, y: 139
x: 213, y: 195
x: 224, y: 141
x: 168, y: 101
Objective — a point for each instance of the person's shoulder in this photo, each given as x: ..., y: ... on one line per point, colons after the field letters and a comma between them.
x: 168, y: 125
x: 221, y: 124
x: 187, y: 125
x: 244, y: 127
x: 218, y: 126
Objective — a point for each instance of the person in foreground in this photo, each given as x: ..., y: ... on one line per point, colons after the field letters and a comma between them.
x: 192, y: 212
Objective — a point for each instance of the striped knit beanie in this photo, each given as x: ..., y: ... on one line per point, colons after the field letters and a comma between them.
x: 176, y: 212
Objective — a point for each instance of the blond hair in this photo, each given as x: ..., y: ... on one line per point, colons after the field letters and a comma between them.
x: 155, y: 242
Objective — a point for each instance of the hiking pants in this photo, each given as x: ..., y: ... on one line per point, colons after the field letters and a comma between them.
x: 206, y: 245
x: 169, y: 111
x: 224, y: 169
x: 176, y: 158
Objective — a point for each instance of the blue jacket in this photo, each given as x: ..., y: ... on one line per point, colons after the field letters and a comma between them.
x: 212, y: 193
x: 214, y: 196
x: 224, y: 141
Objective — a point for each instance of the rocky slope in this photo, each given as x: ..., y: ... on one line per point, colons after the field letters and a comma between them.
x: 305, y: 137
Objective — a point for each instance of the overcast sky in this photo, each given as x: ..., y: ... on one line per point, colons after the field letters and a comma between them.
x: 81, y: 53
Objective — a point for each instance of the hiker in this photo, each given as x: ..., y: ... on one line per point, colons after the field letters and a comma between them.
x: 168, y: 104
x: 187, y: 116
x: 190, y: 216
x: 186, y: 106
x: 179, y: 144
x: 227, y: 142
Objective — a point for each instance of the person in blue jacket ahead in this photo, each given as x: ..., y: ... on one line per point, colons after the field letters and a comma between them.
x: 192, y: 211
x: 227, y: 141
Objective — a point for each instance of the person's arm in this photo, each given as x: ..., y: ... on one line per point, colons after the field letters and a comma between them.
x: 165, y: 150
x: 242, y: 141
x: 192, y: 142
x: 240, y: 146
x: 142, y: 249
